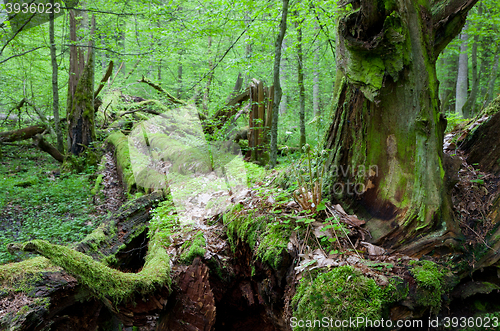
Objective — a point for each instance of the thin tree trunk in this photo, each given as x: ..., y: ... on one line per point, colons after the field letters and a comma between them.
x: 491, y: 82
x: 316, y: 78
x: 206, y: 95
x: 300, y: 81
x: 283, y: 78
x: 462, y: 80
x: 179, y: 75
x: 55, y: 87
x: 277, y: 86
x: 468, y: 108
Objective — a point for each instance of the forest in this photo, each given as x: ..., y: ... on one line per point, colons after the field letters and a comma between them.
x: 249, y: 165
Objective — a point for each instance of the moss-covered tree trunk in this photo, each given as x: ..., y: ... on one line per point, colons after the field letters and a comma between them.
x: 80, y: 104
x: 386, y: 133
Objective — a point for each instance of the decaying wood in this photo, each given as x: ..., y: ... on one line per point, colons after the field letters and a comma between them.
x: 22, y: 134
x: 104, y: 79
x: 482, y: 144
x: 63, y: 291
x: 160, y: 89
x: 48, y: 148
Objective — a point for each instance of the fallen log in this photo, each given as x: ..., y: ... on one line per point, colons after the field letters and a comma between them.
x: 21, y: 134
x: 48, y: 148
x: 65, y: 280
x: 481, y: 144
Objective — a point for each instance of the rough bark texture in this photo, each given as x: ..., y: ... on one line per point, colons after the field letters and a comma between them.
x: 387, y: 132
x: 81, y: 127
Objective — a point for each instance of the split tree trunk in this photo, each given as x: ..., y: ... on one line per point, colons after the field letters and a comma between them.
x: 80, y: 104
x: 387, y: 132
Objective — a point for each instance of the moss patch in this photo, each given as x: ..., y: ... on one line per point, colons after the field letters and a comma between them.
x: 340, y: 294
x: 23, y: 275
x: 430, y: 284
x: 193, y: 248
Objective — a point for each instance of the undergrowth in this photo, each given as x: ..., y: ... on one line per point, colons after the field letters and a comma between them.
x: 38, y: 202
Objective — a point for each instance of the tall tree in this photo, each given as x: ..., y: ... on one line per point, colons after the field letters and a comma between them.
x: 277, y: 85
x: 300, y: 80
x: 55, y: 85
x: 386, y: 135
x: 462, y: 75
x: 80, y: 102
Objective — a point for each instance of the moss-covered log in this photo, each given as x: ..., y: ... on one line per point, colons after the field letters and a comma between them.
x: 89, y: 272
x: 482, y: 144
x: 386, y: 134
x: 21, y: 134
x: 122, y: 156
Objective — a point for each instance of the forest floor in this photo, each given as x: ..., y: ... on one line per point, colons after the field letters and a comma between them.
x: 39, y: 202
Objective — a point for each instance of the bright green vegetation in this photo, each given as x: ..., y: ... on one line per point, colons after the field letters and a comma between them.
x: 193, y: 248
x: 339, y: 294
x: 103, y: 281
x: 36, y: 204
x: 431, y: 285
x: 23, y: 275
x: 263, y: 234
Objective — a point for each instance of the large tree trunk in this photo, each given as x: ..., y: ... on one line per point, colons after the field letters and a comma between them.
x: 80, y: 110
x: 387, y: 132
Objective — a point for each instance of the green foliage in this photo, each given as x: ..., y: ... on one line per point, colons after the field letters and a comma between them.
x: 339, y: 294
x: 454, y: 120
x: 36, y: 204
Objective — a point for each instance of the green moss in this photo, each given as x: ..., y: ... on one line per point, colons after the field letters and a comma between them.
x: 103, y: 281
x: 243, y: 225
x: 193, y: 248
x: 22, y: 276
x: 273, y: 241
x: 340, y: 294
x: 120, y: 142
x: 98, y: 182
x: 430, y: 284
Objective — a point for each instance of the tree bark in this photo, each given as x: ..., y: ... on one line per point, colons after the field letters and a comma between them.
x: 470, y: 104
x: 387, y: 131
x: 55, y: 85
x: 80, y: 111
x: 277, y: 86
x: 300, y: 82
x: 48, y: 148
x: 462, y: 77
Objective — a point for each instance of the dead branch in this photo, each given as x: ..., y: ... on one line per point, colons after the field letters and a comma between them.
x: 162, y: 91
